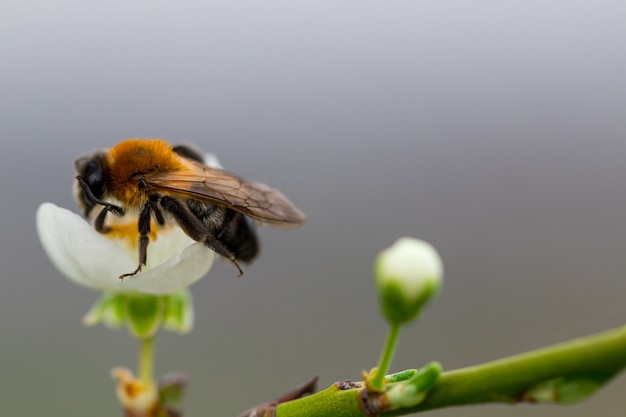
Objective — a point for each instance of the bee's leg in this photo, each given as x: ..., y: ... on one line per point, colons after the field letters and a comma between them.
x: 195, y: 229
x: 107, y: 207
x: 229, y: 215
x: 217, y: 246
x: 155, y: 209
x: 143, y: 225
x: 99, y: 223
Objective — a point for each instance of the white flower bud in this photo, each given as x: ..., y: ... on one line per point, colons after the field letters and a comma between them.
x: 407, y: 274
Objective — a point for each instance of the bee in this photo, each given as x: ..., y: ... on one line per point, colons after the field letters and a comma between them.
x: 163, y: 184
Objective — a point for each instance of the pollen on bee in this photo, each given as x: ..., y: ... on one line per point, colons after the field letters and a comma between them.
x: 129, y: 234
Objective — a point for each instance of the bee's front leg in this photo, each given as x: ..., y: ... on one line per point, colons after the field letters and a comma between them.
x: 143, y: 226
x: 99, y: 222
x: 106, y: 207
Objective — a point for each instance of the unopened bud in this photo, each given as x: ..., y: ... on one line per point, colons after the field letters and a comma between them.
x: 407, y: 274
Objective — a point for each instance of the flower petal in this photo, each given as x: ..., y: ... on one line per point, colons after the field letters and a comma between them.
x: 176, y: 273
x: 91, y: 259
x: 78, y: 251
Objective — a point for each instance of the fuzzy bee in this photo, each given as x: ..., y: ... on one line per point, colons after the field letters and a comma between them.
x: 155, y: 181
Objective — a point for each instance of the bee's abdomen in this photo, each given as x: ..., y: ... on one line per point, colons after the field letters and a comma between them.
x: 230, y: 227
x: 239, y: 236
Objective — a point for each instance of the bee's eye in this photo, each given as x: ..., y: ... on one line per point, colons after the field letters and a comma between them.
x: 93, y: 173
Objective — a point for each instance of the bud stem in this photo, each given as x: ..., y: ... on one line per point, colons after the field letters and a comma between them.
x: 146, y: 360
x: 377, y: 382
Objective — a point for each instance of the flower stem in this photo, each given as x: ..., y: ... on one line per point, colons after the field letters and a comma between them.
x: 146, y: 360
x: 385, y: 357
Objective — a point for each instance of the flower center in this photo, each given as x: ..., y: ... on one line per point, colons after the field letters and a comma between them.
x: 128, y: 233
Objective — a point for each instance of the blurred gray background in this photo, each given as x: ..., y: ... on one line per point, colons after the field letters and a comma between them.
x: 495, y: 130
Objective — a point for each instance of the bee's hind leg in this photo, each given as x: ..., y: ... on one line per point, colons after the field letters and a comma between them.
x: 195, y: 229
x: 218, y: 247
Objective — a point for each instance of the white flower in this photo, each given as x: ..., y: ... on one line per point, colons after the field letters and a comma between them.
x: 94, y: 260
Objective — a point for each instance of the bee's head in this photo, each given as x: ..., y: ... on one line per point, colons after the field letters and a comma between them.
x: 91, y: 180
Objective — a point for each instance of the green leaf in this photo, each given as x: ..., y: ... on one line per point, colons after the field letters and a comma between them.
x: 400, y: 376
x: 410, y: 393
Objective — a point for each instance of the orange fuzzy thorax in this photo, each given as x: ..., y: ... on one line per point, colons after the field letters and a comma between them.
x: 129, y: 160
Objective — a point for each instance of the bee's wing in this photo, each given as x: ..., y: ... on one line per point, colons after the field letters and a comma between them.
x: 221, y: 188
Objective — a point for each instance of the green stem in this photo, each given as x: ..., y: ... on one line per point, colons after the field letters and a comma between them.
x: 597, y: 357
x: 146, y: 360
x: 386, y: 356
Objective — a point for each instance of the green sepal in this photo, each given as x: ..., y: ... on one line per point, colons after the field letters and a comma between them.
x: 396, y: 306
x: 108, y: 309
x: 144, y: 314
x: 178, y: 314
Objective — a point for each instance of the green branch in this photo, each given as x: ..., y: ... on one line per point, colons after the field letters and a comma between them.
x: 562, y: 373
